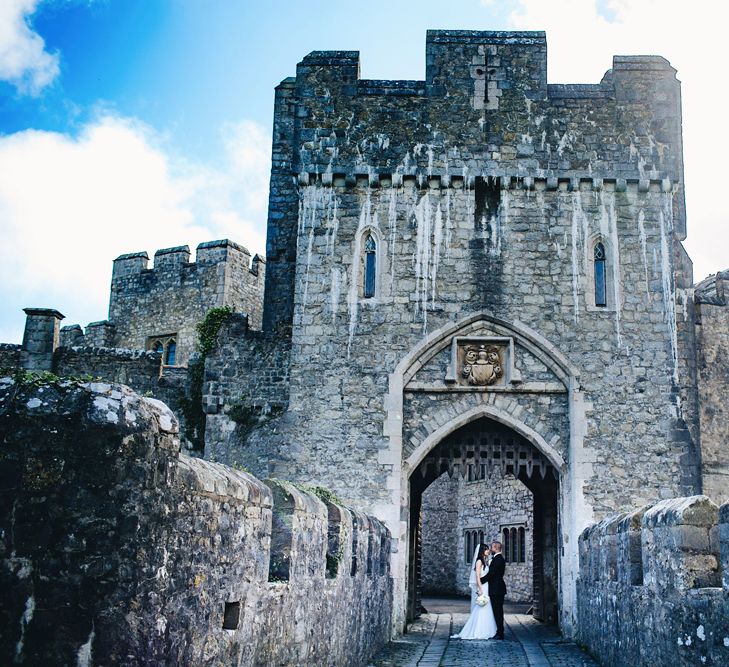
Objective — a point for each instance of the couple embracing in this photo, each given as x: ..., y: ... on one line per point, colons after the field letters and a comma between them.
x: 487, y: 611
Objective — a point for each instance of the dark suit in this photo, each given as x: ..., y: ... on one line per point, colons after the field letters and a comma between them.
x: 497, y: 591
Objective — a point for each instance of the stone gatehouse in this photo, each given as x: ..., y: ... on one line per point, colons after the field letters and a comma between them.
x: 478, y: 274
x: 480, y: 267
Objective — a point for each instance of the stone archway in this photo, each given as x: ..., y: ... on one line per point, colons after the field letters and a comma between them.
x: 474, y: 449
x: 538, y: 397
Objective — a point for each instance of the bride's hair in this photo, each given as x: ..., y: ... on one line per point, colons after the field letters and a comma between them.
x: 482, y: 548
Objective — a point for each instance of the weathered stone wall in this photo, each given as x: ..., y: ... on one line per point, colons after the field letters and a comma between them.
x: 245, y: 389
x: 712, y: 354
x: 118, y: 550
x: 485, y: 191
x: 442, y: 557
x: 451, y: 506
x: 175, y: 295
x: 9, y: 356
x: 138, y: 369
x: 654, y: 585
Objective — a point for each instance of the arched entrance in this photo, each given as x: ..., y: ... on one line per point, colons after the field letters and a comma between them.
x: 538, y: 397
x: 475, y: 450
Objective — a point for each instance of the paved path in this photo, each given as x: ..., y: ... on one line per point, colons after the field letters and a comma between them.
x: 528, y: 643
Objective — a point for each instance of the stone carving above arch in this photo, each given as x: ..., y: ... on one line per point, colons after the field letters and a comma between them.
x: 485, y: 323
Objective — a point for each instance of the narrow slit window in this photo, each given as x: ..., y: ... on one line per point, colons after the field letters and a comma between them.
x: 514, y: 546
x: 600, y: 286
x: 506, y: 545
x: 370, y: 269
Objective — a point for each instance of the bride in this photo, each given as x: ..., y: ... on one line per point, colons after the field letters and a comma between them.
x: 481, y: 623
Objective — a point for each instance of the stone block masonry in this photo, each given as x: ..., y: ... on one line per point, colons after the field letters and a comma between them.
x: 453, y: 507
x: 167, y: 302
x: 654, y: 585
x: 118, y: 550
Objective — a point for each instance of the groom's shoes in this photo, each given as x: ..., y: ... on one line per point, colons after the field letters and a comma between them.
x: 500, y: 637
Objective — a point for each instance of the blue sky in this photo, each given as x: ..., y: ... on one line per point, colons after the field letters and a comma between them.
x: 139, y: 124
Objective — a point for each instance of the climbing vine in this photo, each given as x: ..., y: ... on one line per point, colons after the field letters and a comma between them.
x: 191, y: 402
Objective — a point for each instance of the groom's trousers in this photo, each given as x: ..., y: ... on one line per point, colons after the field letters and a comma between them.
x: 497, y: 604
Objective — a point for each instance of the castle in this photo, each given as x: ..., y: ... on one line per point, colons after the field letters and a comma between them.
x: 472, y: 282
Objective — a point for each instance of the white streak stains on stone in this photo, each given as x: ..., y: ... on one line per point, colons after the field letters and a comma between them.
x: 392, y: 223
x: 669, y: 299
x: 617, y: 281
x: 84, y: 655
x: 365, y: 219
x: 25, y: 620
x: 437, y: 240
x: 423, y: 218
x: 576, y: 212
x: 448, y: 224
x: 609, y: 230
x: 309, y: 248
x: 643, y: 248
x: 162, y: 570
x: 336, y: 288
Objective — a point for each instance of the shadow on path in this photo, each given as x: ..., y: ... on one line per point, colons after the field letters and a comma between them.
x: 528, y: 643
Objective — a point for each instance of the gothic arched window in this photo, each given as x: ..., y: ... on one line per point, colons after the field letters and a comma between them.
x: 599, y: 269
x: 514, y: 546
x: 506, y: 542
x: 370, y: 266
x: 158, y: 347
x: 171, y: 354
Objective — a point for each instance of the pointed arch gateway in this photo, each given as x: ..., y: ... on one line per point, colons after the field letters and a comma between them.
x: 518, y: 418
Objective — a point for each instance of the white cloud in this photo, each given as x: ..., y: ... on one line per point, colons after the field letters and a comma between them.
x: 582, y: 37
x: 24, y: 62
x: 69, y: 205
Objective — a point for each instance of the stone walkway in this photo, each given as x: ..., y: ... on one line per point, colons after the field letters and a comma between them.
x: 528, y: 643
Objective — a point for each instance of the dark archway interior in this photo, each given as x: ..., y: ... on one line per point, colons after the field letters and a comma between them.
x: 481, y: 446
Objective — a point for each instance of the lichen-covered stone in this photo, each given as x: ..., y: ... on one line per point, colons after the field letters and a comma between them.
x: 115, y: 549
x: 666, y: 605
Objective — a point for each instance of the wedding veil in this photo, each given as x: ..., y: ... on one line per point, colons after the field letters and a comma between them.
x: 472, y: 577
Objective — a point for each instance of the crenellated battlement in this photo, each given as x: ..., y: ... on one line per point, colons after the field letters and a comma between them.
x: 178, y: 258
x: 164, y: 303
x: 673, y: 555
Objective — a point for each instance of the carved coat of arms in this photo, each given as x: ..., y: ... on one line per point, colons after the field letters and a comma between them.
x: 482, y: 365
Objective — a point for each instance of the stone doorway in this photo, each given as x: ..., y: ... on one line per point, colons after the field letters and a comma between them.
x: 486, y: 451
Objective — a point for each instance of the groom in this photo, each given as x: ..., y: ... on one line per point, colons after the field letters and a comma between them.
x: 497, y: 587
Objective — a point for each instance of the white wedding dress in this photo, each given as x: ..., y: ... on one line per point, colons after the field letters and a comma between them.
x: 481, y: 624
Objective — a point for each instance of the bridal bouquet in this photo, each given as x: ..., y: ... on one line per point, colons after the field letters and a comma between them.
x: 482, y: 600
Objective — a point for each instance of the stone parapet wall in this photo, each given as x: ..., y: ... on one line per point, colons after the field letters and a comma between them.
x: 9, y: 356
x: 712, y: 337
x: 117, y: 550
x: 654, y: 585
x: 138, y: 369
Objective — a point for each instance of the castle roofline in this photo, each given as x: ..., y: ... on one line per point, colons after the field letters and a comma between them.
x: 133, y: 255
x: 223, y: 243
x: 175, y: 249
